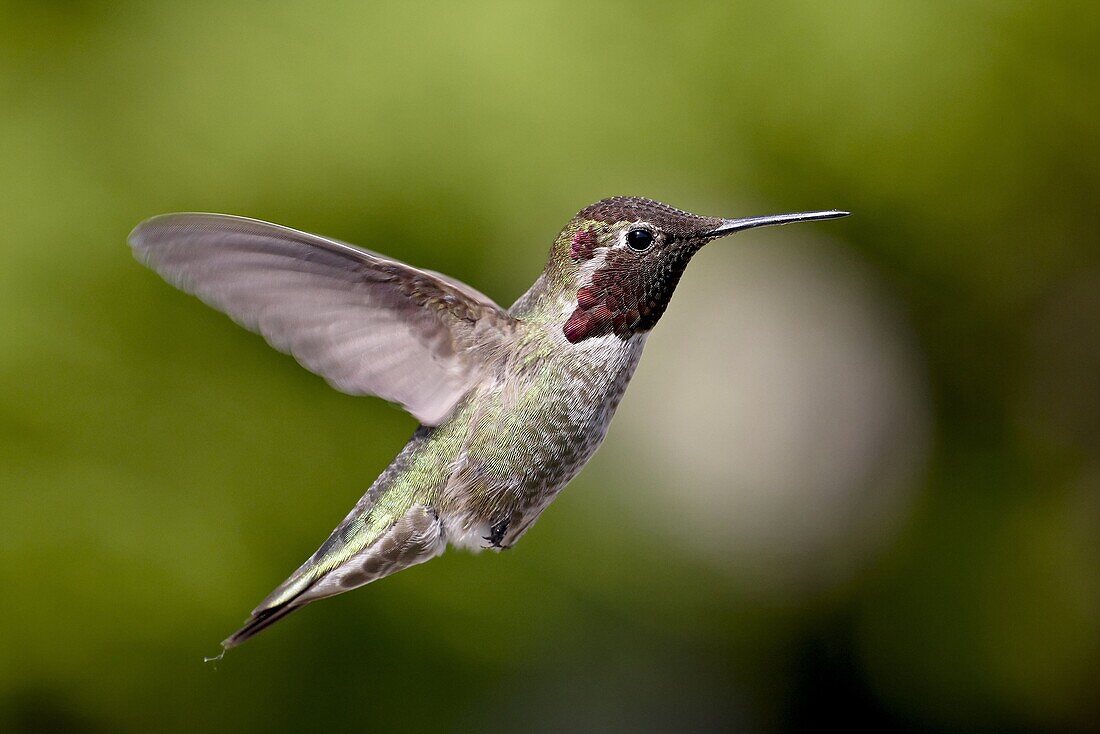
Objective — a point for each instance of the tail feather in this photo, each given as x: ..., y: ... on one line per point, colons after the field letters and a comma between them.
x: 258, y: 623
x: 413, y: 538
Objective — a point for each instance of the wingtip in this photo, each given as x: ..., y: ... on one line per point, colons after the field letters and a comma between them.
x: 136, y: 238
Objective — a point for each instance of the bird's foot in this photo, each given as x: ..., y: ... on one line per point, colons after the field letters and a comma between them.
x: 496, y: 535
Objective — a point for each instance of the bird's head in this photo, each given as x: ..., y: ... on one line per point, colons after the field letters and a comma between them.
x: 622, y: 257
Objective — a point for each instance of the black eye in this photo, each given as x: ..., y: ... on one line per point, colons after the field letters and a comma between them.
x: 639, y: 239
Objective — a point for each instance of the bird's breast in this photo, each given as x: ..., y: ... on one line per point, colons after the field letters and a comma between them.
x: 536, y: 426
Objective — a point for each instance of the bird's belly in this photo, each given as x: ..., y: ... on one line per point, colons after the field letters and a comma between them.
x: 545, y: 431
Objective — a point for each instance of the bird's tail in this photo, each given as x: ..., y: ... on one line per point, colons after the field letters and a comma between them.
x: 258, y: 622
x: 280, y: 603
x: 352, y: 556
x: 306, y: 584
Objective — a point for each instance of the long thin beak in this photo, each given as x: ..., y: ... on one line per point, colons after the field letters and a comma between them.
x: 729, y: 226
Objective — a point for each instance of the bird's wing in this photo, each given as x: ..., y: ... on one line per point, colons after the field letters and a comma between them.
x: 368, y: 324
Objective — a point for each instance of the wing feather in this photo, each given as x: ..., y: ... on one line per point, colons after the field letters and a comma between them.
x: 368, y: 324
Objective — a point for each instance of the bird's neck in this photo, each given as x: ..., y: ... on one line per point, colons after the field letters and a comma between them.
x: 553, y: 295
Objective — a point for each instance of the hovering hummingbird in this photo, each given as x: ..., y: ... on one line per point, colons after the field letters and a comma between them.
x: 511, y: 403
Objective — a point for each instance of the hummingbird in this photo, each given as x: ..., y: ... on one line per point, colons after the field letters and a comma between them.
x: 511, y: 402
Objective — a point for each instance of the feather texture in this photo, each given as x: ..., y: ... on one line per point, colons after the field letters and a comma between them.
x: 368, y: 324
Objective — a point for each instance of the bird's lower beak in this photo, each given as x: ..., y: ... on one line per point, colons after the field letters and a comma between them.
x: 729, y: 226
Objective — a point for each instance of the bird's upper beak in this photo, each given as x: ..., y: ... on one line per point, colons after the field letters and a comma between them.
x: 729, y: 226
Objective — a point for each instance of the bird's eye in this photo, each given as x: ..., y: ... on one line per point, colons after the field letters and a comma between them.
x: 639, y: 239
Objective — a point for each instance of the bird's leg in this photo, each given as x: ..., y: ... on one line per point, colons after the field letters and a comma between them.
x: 496, y: 533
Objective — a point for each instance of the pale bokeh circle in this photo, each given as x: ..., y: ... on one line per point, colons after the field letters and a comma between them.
x: 778, y: 423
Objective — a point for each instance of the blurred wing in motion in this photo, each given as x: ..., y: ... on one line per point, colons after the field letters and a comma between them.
x: 368, y: 324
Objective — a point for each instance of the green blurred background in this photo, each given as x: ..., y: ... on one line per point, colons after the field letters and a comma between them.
x: 857, y: 478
